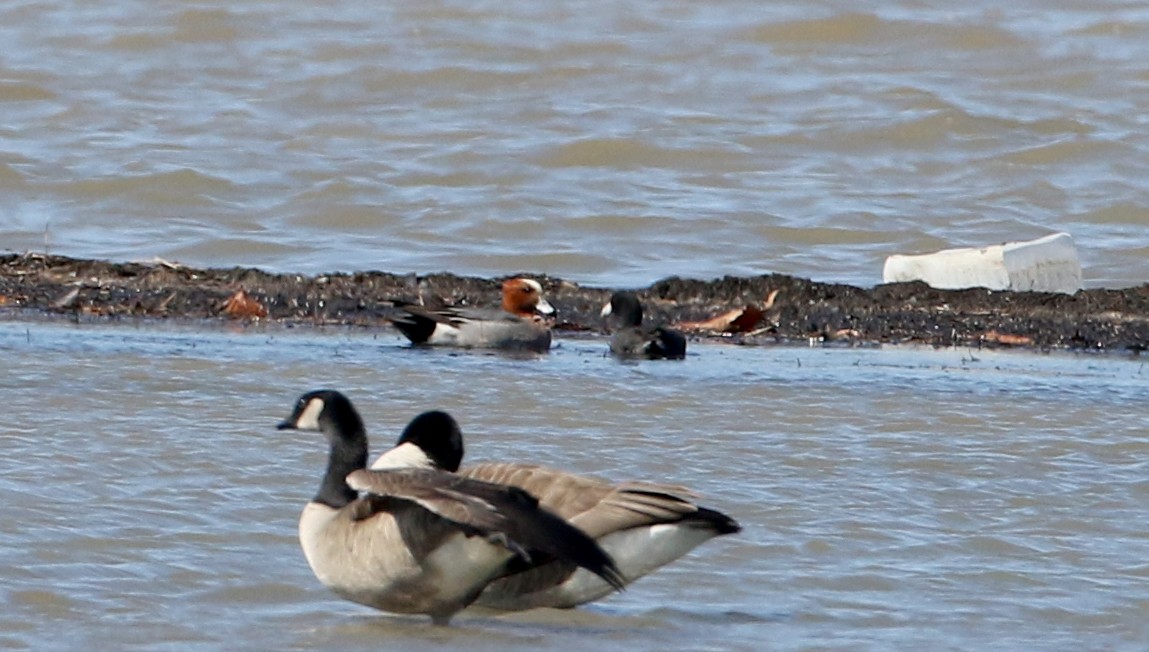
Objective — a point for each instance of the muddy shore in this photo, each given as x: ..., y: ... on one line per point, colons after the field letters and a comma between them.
x: 913, y: 313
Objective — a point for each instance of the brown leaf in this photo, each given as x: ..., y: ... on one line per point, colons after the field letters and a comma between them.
x: 733, y: 321
x: 241, y: 306
x: 770, y: 300
x: 739, y: 320
x: 1008, y: 339
x: 747, y: 321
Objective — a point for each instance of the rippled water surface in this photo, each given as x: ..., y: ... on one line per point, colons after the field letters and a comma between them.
x: 891, y: 498
x: 611, y: 143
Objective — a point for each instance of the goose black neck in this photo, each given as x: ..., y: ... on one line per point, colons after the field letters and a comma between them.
x: 437, y: 434
x: 348, y: 453
x: 626, y: 309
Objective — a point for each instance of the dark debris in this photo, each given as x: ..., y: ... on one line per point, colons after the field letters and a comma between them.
x: 896, y: 313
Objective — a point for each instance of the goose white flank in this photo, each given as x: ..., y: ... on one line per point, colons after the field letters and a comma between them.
x: 642, y: 525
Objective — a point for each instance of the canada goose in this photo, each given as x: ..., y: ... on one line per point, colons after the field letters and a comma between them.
x: 631, y: 339
x: 516, y: 326
x: 643, y: 526
x: 420, y: 540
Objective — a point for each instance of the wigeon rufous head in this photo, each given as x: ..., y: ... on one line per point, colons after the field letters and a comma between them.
x: 524, y: 297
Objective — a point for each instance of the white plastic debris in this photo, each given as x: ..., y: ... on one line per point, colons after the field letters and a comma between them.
x: 1046, y: 264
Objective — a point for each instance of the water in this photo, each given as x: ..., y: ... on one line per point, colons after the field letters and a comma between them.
x: 608, y: 144
x: 891, y: 498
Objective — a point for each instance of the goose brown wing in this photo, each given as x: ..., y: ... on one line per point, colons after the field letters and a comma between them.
x: 594, y: 506
x: 435, y: 491
x: 504, y: 514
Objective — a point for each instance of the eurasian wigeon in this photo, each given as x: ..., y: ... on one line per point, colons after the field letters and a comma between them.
x: 642, y: 526
x: 518, y: 326
x: 407, y: 537
x: 630, y: 339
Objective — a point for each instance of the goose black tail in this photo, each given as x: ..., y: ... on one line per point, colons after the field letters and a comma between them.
x: 721, y: 523
x: 539, y: 529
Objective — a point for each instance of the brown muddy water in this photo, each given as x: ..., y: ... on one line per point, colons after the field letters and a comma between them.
x: 609, y: 144
x: 892, y: 498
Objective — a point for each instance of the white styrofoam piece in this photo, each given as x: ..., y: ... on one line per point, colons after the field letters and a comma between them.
x: 1047, y: 264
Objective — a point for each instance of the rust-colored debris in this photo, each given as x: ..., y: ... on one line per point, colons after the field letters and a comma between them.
x: 739, y: 320
x: 1008, y: 339
x: 911, y: 313
x: 241, y: 306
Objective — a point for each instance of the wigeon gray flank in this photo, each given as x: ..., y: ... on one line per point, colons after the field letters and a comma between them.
x: 642, y: 526
x: 631, y: 339
x: 410, y: 538
x: 518, y: 326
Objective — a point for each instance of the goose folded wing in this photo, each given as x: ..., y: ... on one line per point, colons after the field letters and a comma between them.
x: 596, y: 507
x: 435, y: 491
x: 504, y: 514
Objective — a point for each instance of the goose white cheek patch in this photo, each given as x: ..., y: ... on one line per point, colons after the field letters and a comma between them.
x: 404, y: 456
x: 309, y: 418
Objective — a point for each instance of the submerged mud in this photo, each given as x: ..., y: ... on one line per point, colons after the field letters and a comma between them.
x: 802, y: 310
